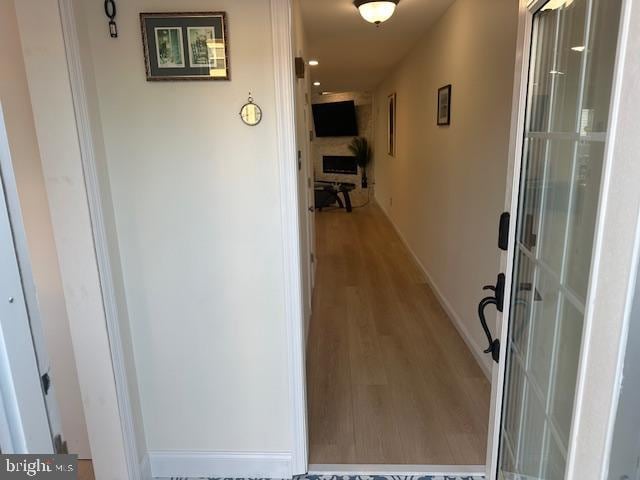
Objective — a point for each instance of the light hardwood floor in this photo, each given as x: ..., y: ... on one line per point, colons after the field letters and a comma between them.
x: 85, y: 470
x: 390, y: 381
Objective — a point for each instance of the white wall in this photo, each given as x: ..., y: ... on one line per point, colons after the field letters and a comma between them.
x: 196, y: 202
x: 45, y: 274
x: 444, y: 189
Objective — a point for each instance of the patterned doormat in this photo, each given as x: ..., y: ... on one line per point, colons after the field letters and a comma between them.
x: 351, y: 477
x: 382, y: 477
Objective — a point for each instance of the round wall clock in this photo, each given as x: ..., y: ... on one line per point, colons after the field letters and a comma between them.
x: 251, y: 114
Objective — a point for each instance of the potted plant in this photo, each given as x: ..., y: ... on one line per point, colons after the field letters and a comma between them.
x: 362, y: 151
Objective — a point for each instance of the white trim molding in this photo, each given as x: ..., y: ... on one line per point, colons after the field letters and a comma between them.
x: 87, y: 151
x: 171, y: 464
x: 281, y: 27
x: 145, y: 468
x: 512, y: 194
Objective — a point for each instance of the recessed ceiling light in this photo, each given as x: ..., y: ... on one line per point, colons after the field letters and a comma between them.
x: 313, y: 63
x: 316, y: 84
x: 578, y: 49
x: 375, y: 11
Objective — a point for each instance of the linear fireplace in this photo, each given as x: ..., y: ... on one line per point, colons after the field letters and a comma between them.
x: 345, y: 165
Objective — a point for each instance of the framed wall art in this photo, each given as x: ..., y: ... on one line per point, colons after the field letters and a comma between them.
x: 185, y: 46
x: 444, y: 105
x: 391, y: 125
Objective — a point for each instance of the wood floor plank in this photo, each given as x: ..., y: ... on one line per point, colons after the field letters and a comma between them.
x: 330, y: 393
x: 367, y: 364
x: 376, y: 432
x: 414, y: 407
x: 390, y: 380
x: 467, y: 448
x: 85, y: 470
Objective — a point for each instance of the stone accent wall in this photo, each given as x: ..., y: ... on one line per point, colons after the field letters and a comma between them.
x: 340, y: 145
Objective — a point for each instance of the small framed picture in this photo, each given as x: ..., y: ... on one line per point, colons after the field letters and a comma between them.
x: 391, y: 125
x: 444, y: 105
x: 185, y: 46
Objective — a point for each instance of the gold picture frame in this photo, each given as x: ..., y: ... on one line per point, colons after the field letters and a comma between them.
x: 392, y: 124
x: 185, y: 46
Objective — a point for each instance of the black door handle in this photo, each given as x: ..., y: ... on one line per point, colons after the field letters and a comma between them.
x: 503, y: 231
x: 498, y: 300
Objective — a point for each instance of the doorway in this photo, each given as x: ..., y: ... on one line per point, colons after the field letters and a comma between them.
x: 396, y: 373
x: 370, y: 348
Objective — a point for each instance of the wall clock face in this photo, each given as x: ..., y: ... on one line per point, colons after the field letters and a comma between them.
x: 251, y: 114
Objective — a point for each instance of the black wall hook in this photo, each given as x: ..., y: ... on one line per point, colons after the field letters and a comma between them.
x: 110, y: 12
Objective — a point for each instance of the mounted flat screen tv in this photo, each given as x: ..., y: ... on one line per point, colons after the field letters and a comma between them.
x: 337, y: 119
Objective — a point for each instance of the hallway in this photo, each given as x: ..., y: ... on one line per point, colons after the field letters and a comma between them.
x: 390, y: 380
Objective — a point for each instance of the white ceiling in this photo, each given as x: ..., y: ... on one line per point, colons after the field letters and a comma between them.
x: 355, y: 55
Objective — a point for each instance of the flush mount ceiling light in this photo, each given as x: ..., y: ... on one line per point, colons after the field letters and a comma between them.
x: 375, y: 11
x: 314, y: 63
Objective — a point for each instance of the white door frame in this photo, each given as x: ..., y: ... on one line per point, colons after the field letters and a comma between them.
x: 66, y: 149
x: 283, y: 55
x: 68, y: 17
x: 614, y: 253
x: 525, y: 23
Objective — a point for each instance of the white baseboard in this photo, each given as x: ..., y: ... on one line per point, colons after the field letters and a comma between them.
x: 145, y: 468
x: 476, y: 350
x: 167, y: 464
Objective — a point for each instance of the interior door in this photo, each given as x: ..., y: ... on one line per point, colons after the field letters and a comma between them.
x: 571, y: 65
x: 306, y: 204
x: 24, y: 421
x: 310, y: 193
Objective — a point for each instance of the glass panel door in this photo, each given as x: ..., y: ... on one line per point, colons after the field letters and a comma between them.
x: 571, y: 73
x: 625, y: 448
